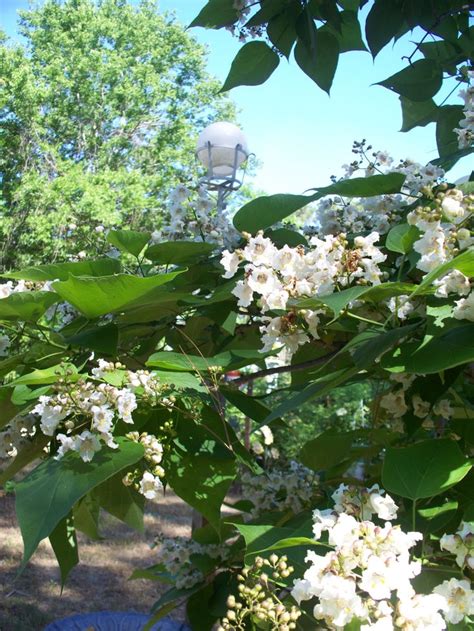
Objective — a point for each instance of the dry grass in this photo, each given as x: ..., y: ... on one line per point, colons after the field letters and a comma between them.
x: 100, y: 582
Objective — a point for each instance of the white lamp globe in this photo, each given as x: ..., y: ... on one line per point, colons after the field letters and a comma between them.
x: 222, y: 147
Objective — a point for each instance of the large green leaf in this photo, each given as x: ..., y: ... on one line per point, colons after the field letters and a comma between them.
x: 281, y: 29
x: 383, y: 23
x: 319, y: 63
x: 367, y: 347
x: 446, y: 138
x: 97, y: 296
x: 47, y: 494
x: 262, y: 212
x: 179, y: 252
x: 61, y: 271
x: 401, y: 238
x: 417, y: 82
x: 64, y: 543
x: 417, y: 113
x: 169, y: 360
x: 200, y: 469
x: 424, y: 469
x: 252, y: 65
x: 27, y: 305
x: 128, y: 241
x: 121, y: 501
x: 102, y: 339
x: 326, y: 450
x: 215, y: 14
x: 349, y: 37
x: 453, y: 347
x: 42, y: 376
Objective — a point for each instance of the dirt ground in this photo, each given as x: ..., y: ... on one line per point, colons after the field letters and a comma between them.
x: 98, y: 583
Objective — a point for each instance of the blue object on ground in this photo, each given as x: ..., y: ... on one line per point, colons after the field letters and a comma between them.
x: 113, y: 621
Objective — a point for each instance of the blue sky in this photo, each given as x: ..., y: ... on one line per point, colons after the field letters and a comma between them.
x: 300, y: 135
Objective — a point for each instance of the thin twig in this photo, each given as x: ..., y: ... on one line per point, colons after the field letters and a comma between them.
x: 282, y: 369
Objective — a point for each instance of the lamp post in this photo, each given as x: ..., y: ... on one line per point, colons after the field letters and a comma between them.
x: 222, y: 149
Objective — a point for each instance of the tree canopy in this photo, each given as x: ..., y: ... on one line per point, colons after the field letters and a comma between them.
x: 100, y: 105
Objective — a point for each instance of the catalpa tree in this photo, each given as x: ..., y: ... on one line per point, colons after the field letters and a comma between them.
x: 121, y: 378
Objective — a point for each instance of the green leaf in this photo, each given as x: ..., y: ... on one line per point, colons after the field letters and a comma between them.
x: 319, y: 64
x: 42, y: 376
x: 446, y: 138
x: 424, y: 469
x: 464, y: 262
x: 417, y: 82
x: 61, y: 271
x: 453, y: 347
x: 349, y: 37
x: 326, y: 450
x: 129, y: 241
x: 102, y: 339
x: 252, y: 65
x: 284, y: 236
x: 281, y: 29
x: 27, y: 305
x: 261, y: 538
x: 97, y: 296
x: 268, y: 11
x: 319, y: 387
x: 121, y: 501
x: 249, y: 406
x: 383, y: 22
x: 215, y: 14
x: 200, y: 469
x: 86, y: 516
x: 230, y: 360
x: 64, y: 543
x: 401, y: 238
x: 417, y: 113
x: 263, y: 212
x: 47, y: 494
x: 198, y: 611
x: 180, y: 380
x: 179, y: 252
x: 371, y: 344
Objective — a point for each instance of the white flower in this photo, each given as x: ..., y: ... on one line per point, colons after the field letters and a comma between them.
x: 267, y: 434
x: 259, y: 250
x: 420, y: 613
x: 421, y: 408
x: 68, y: 443
x: 454, y: 282
x: 401, y: 305
x: 459, y: 599
x: 102, y: 417
x: 464, y: 309
x: 262, y: 280
x: 452, y: 206
x: 150, y: 485
x: 51, y: 415
x: 394, y: 403
x: 230, y: 262
x: 87, y: 444
x: 461, y: 545
x: 382, y: 505
x: 257, y: 448
x: 443, y: 408
x: 243, y: 292
x: 4, y: 345
x: 126, y: 403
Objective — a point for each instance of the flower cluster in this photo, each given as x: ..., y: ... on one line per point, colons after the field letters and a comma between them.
x: 465, y: 131
x: 192, y: 215
x: 147, y: 483
x: 259, y: 598
x: 278, y: 274
x: 461, y: 545
x: 262, y: 443
x: 175, y: 555
x: 284, y: 488
x: 379, y: 213
x: 367, y: 576
x: 82, y: 413
x: 16, y: 435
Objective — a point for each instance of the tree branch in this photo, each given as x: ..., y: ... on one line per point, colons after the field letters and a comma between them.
x: 311, y: 363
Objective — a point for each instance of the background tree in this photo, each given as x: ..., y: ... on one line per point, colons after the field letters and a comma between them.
x: 99, y: 111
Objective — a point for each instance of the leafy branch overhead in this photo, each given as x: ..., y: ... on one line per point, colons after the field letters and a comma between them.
x: 317, y: 32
